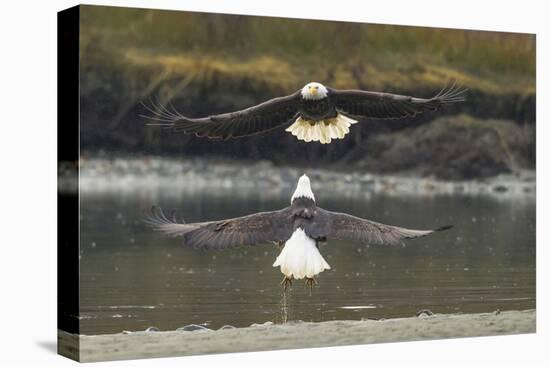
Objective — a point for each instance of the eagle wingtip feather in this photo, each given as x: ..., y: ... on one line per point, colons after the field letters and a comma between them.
x: 444, y: 228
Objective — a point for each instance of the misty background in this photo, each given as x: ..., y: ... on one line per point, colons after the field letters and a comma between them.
x: 205, y: 64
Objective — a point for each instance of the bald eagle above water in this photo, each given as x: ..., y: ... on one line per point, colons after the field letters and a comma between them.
x: 313, y: 113
x: 299, y: 227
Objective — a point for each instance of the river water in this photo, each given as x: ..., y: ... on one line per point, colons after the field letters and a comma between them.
x: 133, y: 278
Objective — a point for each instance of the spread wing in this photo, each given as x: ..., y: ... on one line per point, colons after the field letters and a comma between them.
x: 391, y: 106
x: 159, y: 222
x: 243, y: 231
x: 263, y: 117
x: 347, y: 227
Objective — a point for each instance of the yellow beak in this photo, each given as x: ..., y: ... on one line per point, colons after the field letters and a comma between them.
x: 312, y: 91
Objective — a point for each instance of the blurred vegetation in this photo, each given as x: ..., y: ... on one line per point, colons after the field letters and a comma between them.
x: 453, y: 147
x: 211, y: 63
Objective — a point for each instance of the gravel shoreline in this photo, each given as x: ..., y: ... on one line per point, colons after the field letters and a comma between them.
x: 292, y: 335
x: 190, y: 176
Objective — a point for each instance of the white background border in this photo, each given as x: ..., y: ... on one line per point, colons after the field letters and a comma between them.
x: 29, y: 173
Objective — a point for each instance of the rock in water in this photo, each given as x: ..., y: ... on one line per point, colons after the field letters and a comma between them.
x: 267, y: 323
x: 227, y: 327
x: 193, y: 327
x: 424, y: 313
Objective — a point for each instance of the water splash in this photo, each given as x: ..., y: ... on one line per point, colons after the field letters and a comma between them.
x: 285, y: 305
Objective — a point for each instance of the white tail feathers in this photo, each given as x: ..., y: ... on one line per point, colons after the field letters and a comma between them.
x: 322, y: 131
x: 300, y: 257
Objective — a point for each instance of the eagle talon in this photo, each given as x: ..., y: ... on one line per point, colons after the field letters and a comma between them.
x: 310, y: 282
x: 286, y: 283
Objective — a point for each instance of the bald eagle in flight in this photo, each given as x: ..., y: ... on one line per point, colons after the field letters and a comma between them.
x: 299, y: 227
x: 314, y: 113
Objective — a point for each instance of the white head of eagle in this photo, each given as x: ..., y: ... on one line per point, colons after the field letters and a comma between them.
x: 314, y: 90
x: 303, y: 189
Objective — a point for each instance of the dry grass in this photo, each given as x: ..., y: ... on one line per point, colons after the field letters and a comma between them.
x: 283, y: 54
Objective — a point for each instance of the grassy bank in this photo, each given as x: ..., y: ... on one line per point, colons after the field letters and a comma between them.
x: 290, y: 52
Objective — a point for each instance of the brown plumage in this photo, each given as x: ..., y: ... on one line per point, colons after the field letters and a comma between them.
x: 278, y: 226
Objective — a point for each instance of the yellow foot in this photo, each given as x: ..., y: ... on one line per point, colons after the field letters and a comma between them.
x: 310, y: 282
x: 286, y: 283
